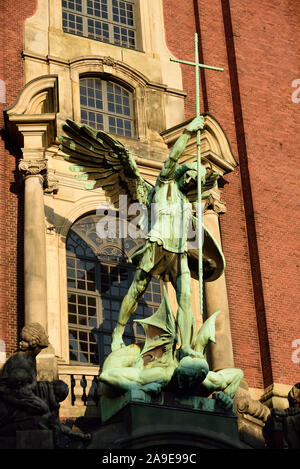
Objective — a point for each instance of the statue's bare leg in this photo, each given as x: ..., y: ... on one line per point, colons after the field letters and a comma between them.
x: 185, y: 316
x: 233, y: 377
x: 227, y: 380
x: 129, y: 305
x: 150, y: 380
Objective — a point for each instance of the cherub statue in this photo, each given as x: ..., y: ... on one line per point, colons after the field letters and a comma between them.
x: 19, y: 405
x: 106, y: 163
x: 159, y: 366
x: 25, y: 403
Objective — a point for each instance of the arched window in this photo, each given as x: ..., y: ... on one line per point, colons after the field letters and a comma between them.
x: 98, y: 276
x: 112, y: 21
x: 107, y: 106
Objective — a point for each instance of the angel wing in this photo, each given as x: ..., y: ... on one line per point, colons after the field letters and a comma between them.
x: 104, y: 162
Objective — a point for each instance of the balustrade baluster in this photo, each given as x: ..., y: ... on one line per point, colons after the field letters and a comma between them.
x: 78, y: 391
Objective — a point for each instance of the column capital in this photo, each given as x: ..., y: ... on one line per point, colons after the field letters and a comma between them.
x: 37, y: 167
x: 33, y: 167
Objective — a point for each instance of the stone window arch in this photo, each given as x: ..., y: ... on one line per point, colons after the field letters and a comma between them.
x: 98, y: 277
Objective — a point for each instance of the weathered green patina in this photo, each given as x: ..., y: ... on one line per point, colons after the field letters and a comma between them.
x: 106, y: 163
x: 159, y: 365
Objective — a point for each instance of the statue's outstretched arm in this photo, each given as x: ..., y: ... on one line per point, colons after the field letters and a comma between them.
x: 170, y: 165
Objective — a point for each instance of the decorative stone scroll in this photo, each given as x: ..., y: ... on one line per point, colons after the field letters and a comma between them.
x: 33, y: 167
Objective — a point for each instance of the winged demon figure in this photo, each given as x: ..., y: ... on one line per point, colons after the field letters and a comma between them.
x: 104, y: 162
x: 155, y: 367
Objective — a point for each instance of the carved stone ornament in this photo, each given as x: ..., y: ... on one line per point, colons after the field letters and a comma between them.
x: 50, y: 228
x: 108, y: 61
x: 282, y: 428
x: 50, y: 184
x: 33, y: 167
x: 246, y: 405
x: 214, y: 204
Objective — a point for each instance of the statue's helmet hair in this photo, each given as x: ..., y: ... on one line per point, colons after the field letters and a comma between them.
x: 33, y: 335
x: 180, y: 170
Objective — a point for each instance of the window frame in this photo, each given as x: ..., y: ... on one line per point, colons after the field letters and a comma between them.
x: 105, y: 112
x: 109, y: 22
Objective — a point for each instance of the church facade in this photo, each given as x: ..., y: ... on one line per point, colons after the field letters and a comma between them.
x: 107, y: 64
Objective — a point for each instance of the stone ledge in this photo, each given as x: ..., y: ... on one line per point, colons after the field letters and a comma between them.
x: 275, y: 396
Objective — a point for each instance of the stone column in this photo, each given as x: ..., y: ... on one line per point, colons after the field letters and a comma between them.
x: 36, y: 180
x: 221, y: 353
x: 34, y: 167
x: 34, y: 242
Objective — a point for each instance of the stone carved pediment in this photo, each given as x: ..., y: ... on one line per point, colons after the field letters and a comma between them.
x: 31, y: 122
x: 214, y: 145
x: 36, y: 104
x: 39, y: 96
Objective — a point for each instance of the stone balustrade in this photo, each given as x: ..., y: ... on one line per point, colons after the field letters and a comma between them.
x: 83, y: 398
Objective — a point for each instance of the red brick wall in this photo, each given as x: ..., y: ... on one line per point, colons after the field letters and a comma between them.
x: 267, y: 55
x: 252, y: 101
x: 12, y: 17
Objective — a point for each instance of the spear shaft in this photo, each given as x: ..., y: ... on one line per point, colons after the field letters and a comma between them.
x: 197, y: 66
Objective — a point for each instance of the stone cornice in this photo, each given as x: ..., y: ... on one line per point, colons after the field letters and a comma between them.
x: 34, y: 111
x: 32, y: 120
x: 103, y: 64
x: 33, y: 97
